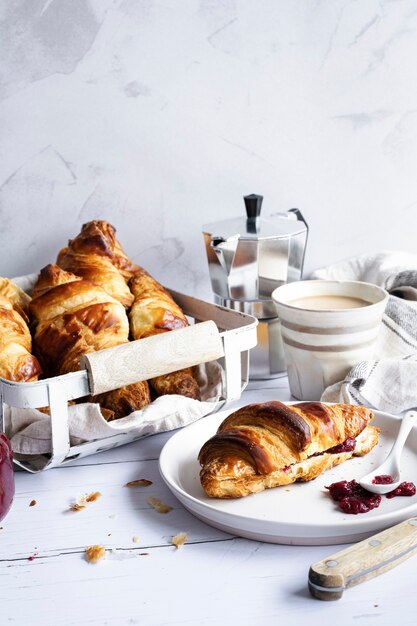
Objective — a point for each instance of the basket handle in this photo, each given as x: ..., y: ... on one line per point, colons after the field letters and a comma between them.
x: 154, y: 356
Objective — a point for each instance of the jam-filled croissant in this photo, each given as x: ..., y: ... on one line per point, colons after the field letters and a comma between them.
x: 267, y: 445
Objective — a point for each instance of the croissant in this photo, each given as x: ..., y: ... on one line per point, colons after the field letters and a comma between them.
x: 154, y: 311
x: 96, y: 255
x: 267, y: 445
x: 52, y: 276
x: 19, y: 299
x: 16, y: 361
x: 73, y: 317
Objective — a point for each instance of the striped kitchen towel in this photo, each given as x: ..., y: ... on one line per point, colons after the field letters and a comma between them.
x: 388, y: 383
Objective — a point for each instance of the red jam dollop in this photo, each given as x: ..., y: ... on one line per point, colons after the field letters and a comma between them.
x: 352, y: 498
x: 6, y: 476
x: 383, y: 479
x: 403, y: 489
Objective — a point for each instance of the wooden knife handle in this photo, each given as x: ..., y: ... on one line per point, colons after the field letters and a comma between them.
x: 146, y: 358
x: 328, y: 579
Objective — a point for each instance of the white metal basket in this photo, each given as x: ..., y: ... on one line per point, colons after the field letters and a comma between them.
x: 218, y: 334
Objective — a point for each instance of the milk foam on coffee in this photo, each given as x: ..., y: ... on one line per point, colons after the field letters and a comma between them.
x: 328, y: 302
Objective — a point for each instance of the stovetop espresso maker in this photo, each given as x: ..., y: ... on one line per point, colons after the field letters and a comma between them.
x: 248, y: 258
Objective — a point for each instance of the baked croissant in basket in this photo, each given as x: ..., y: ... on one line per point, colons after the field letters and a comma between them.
x: 73, y: 317
x: 267, y: 445
x: 154, y: 311
x: 19, y: 299
x: 96, y: 255
x: 16, y: 361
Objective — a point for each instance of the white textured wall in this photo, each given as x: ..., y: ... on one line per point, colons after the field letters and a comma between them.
x: 158, y: 115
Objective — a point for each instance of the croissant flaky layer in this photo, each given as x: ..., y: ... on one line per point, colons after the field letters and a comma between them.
x: 267, y: 445
x: 97, y: 256
x: 99, y: 237
x: 16, y: 361
x: 153, y: 312
x: 18, y: 298
x: 123, y: 401
x: 73, y: 317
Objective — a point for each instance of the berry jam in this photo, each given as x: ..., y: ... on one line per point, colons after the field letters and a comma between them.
x: 383, y: 479
x: 353, y: 498
x: 403, y: 489
x: 348, y: 445
x: 6, y: 476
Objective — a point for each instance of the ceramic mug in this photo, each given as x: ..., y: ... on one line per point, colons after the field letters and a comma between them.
x: 327, y: 327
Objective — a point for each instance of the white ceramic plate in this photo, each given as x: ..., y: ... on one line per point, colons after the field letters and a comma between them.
x: 299, y: 514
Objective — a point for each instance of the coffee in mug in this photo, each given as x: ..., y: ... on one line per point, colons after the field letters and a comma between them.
x: 328, y: 303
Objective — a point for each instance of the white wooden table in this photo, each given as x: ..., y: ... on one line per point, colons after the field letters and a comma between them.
x: 214, y: 579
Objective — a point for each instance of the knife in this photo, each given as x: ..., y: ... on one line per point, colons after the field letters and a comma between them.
x: 327, y: 579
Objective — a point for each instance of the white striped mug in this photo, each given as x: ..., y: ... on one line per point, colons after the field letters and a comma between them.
x: 327, y: 327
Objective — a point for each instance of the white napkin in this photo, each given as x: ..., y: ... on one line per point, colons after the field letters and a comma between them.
x: 388, y: 383
x: 30, y: 429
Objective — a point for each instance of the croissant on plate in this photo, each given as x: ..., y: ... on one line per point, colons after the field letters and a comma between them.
x: 16, y: 361
x: 73, y: 317
x: 154, y: 311
x: 267, y: 445
x: 96, y: 255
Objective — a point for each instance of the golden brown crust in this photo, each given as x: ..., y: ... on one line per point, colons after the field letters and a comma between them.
x: 181, y: 382
x: 20, y: 299
x: 272, y: 444
x: 64, y: 339
x: 98, y: 270
x: 16, y: 361
x: 154, y: 311
x: 74, y: 318
x: 99, y: 237
x: 52, y: 276
x: 96, y: 255
x: 70, y: 297
x: 124, y: 401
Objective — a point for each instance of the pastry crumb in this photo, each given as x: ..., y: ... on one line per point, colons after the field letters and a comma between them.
x: 141, y: 482
x: 82, y: 502
x: 158, y: 505
x: 77, y: 507
x: 135, y: 539
x: 93, y: 554
x: 91, y: 497
x: 179, y: 540
x: 32, y: 503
